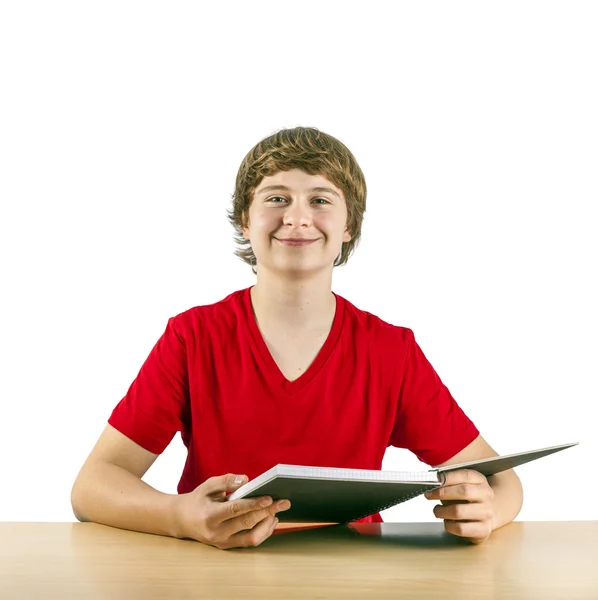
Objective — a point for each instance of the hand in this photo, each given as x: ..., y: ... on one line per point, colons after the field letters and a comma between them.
x: 207, y: 516
x: 467, y: 505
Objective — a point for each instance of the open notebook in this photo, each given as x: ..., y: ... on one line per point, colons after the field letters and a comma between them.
x: 332, y: 495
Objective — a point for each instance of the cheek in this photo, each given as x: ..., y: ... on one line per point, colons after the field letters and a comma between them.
x: 263, y: 221
x: 333, y: 226
x: 263, y: 224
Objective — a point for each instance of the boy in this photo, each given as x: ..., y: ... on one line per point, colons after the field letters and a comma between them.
x: 285, y: 371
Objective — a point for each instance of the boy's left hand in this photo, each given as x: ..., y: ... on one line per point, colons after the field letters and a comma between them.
x: 467, y: 505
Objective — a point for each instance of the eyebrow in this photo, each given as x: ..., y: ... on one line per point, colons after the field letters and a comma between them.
x: 270, y: 188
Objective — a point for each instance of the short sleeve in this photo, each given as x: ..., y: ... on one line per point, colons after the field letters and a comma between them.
x: 429, y: 422
x: 153, y: 408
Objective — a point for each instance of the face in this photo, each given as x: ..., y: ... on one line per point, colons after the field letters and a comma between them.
x: 296, y: 229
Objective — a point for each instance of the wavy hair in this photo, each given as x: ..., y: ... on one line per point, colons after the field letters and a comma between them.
x: 312, y: 151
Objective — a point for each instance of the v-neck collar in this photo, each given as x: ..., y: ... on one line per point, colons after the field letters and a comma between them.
x: 272, y: 370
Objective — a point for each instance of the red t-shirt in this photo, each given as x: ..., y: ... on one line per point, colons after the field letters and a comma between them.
x: 211, y: 377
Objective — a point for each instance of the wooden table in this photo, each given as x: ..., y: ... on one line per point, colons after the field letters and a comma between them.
x: 535, y: 560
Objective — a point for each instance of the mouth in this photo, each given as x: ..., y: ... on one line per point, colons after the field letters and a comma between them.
x: 296, y: 241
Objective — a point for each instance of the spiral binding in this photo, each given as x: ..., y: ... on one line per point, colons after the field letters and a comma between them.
x: 385, y: 506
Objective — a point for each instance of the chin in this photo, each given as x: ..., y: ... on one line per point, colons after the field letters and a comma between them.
x: 297, y: 264
x: 303, y: 269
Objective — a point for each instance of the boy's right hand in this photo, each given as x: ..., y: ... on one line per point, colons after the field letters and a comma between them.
x: 207, y: 516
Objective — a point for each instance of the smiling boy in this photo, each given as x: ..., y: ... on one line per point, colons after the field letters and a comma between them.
x: 285, y: 371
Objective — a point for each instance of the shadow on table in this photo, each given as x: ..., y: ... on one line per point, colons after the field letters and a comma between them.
x: 422, y: 535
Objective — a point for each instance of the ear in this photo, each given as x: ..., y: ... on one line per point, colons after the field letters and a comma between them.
x: 347, y: 236
x: 244, y: 226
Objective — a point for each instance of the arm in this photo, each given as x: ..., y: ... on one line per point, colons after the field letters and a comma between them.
x: 489, y: 503
x: 508, y: 497
x: 109, y: 489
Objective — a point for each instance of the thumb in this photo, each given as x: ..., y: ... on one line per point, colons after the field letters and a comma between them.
x: 225, y: 483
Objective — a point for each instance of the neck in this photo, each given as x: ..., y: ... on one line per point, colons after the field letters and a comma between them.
x: 306, y: 304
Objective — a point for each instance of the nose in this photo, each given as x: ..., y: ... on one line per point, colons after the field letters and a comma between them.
x: 297, y: 215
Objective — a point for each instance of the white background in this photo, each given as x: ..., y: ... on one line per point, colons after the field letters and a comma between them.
x: 123, y: 124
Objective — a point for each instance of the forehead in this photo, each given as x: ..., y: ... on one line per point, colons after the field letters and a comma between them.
x: 297, y: 180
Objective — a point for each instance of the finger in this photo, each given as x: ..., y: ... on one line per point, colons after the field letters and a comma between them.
x: 252, y: 514
x: 217, y: 486
x: 463, y: 476
x: 449, y: 502
x: 477, y: 530
x: 464, y: 512
x: 231, y: 509
x: 255, y: 536
x: 472, y: 492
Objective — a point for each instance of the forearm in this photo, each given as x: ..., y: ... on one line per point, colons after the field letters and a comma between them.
x: 508, y: 497
x: 108, y: 494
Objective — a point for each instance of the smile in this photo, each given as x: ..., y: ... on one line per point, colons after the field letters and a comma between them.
x: 291, y: 242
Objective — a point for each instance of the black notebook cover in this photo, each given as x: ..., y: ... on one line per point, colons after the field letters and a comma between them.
x: 329, y: 495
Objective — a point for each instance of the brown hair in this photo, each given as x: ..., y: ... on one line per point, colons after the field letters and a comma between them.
x: 312, y: 151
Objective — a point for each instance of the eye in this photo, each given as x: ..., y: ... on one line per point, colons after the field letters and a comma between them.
x: 274, y: 199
